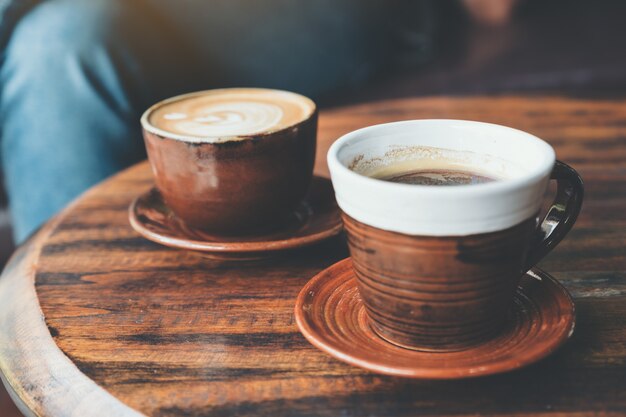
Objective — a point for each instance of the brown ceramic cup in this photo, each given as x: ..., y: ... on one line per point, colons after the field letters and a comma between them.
x: 437, y: 266
x: 232, y: 161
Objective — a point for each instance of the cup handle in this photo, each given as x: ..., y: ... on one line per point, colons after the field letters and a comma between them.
x: 561, y: 215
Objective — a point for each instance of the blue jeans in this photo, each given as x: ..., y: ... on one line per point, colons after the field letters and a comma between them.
x: 76, y: 75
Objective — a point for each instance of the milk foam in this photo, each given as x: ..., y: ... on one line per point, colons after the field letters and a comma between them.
x: 402, y: 159
x: 228, y: 114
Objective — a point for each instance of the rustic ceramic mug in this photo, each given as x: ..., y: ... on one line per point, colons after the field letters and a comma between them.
x: 233, y: 183
x: 437, y: 266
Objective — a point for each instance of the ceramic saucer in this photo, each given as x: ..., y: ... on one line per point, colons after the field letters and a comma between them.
x: 330, y: 314
x: 317, y: 218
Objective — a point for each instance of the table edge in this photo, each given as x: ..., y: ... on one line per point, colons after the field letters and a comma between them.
x: 40, y: 378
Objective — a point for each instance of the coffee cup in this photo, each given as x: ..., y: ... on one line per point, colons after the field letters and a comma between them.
x: 437, y: 254
x: 232, y: 161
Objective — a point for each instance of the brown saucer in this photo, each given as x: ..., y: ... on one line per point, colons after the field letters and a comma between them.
x: 330, y: 314
x: 317, y: 218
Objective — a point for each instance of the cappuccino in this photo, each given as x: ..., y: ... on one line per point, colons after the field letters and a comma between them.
x: 229, y: 114
x: 232, y: 161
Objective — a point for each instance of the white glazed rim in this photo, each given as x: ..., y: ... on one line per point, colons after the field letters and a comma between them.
x: 532, y: 176
x: 149, y: 127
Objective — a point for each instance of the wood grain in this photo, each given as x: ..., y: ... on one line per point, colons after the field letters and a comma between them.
x: 170, y: 333
x: 39, y: 378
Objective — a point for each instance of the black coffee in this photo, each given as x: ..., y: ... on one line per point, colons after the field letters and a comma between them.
x: 438, y: 177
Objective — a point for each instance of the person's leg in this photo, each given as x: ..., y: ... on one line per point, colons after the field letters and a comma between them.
x: 10, y: 13
x: 75, y: 76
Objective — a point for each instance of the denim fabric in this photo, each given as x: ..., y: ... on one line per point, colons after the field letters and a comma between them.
x: 77, y: 74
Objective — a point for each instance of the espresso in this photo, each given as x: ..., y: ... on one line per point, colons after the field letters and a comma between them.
x: 440, y: 177
x: 226, y: 113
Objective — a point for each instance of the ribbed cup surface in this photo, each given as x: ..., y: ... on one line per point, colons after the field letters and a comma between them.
x: 329, y: 312
x: 437, y: 293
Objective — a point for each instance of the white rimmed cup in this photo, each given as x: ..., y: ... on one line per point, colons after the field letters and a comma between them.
x: 437, y: 265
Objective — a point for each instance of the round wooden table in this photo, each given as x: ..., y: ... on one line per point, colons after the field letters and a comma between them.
x: 97, y: 321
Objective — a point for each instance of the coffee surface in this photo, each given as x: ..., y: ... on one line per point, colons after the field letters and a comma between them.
x: 445, y: 177
x: 232, y: 112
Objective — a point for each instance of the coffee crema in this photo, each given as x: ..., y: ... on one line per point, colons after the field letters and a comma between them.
x: 439, y: 177
x: 220, y: 115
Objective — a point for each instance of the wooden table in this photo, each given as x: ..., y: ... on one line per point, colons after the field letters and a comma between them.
x: 96, y: 321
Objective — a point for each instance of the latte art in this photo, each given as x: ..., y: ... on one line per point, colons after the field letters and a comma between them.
x: 221, y: 115
x: 224, y: 119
